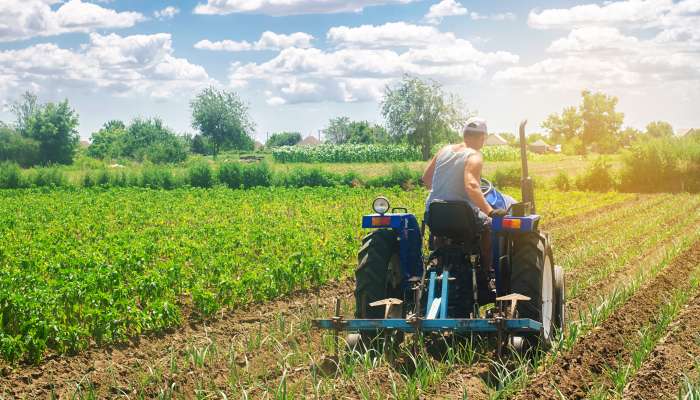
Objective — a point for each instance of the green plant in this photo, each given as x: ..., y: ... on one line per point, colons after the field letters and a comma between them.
x: 598, y: 177
x: 562, y: 182
x: 256, y: 174
x: 11, y: 176
x: 200, y: 175
x: 230, y: 174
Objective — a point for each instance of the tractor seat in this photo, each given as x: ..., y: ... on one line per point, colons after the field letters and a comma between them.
x: 453, y: 220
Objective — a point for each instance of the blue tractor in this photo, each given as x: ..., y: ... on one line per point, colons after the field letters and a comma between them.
x: 518, y: 299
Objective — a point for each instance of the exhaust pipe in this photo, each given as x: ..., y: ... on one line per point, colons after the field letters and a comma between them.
x: 526, y: 187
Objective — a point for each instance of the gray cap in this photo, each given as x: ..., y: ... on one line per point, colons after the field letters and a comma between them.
x: 475, y: 125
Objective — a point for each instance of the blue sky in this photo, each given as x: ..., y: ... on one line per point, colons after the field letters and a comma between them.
x: 301, y: 62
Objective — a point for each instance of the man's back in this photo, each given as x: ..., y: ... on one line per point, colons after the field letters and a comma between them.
x: 448, y: 177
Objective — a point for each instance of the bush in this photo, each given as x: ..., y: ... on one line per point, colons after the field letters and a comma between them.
x: 283, y: 139
x: 200, y: 175
x: 96, y: 178
x: 658, y: 165
x: 48, y: 177
x: 506, y: 177
x: 562, y: 181
x: 230, y: 175
x: 158, y: 178
x: 11, y: 176
x: 257, y: 174
x: 18, y: 149
x: 311, y: 177
x: 597, y: 177
x: 399, y: 176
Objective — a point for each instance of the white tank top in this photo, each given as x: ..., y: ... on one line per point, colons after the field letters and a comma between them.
x: 448, y: 176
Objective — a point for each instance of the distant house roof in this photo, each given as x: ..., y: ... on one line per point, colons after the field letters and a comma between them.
x: 683, y: 132
x: 310, y: 141
x: 495, y: 139
x: 539, y: 143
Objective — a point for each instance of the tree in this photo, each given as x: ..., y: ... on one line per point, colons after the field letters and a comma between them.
x: 200, y: 145
x: 564, y: 127
x: 659, y: 129
x: 149, y: 139
x: 283, y: 139
x: 108, y: 141
x: 421, y: 112
x: 338, y: 130
x: 601, y: 123
x: 54, y: 126
x: 628, y: 136
x: 342, y: 130
x: 17, y: 148
x: 23, y: 109
x: 222, y: 117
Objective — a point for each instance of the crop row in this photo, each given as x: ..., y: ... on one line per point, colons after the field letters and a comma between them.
x: 345, y: 153
x: 83, y: 266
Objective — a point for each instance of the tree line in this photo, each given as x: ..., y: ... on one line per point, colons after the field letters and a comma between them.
x: 416, y: 112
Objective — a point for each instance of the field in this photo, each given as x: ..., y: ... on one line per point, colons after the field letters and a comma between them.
x: 137, y: 293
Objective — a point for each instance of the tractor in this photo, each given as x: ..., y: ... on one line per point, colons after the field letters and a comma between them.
x: 518, y: 300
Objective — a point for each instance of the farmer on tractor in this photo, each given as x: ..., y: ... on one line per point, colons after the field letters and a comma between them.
x: 454, y: 174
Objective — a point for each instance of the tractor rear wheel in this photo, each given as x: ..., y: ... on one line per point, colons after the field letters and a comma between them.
x: 377, y: 276
x: 532, y: 275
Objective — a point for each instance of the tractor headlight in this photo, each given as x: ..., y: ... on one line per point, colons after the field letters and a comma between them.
x: 380, y: 205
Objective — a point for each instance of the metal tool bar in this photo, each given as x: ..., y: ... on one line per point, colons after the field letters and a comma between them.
x: 524, y: 325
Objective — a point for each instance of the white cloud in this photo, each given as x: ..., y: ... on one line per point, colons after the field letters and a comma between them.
x: 138, y: 64
x: 508, y: 16
x: 598, y: 54
x: 365, y: 60
x: 627, y: 13
x: 168, y: 12
x: 391, y: 34
x: 268, y: 41
x: 288, y: 7
x: 594, y: 39
x: 445, y: 8
x: 23, y: 19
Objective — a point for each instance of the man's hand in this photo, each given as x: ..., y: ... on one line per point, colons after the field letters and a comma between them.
x: 498, y: 212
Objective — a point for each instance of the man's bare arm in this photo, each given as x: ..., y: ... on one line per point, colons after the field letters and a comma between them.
x: 472, y: 182
x: 429, y: 171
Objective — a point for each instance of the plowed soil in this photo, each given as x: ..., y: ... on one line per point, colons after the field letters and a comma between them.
x: 114, y: 371
x: 573, y: 374
x: 675, y: 355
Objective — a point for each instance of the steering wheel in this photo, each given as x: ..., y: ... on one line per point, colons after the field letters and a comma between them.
x: 486, y: 186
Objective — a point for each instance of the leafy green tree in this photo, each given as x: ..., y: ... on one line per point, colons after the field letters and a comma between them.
x: 533, y: 137
x: 108, y: 141
x: 659, y: 129
x: 601, y: 123
x: 222, y: 117
x: 628, y: 136
x: 149, y: 139
x: 23, y: 109
x: 421, y: 113
x: 338, y: 130
x: 54, y: 126
x: 200, y: 145
x: 17, y: 148
x: 283, y: 139
x: 564, y: 127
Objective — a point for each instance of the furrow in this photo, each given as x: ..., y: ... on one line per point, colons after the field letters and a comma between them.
x: 674, y: 356
x: 572, y: 374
